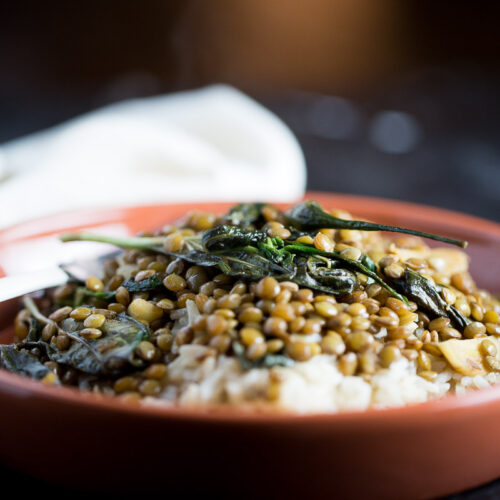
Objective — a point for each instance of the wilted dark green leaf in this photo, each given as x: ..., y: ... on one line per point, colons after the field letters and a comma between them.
x: 245, y: 214
x: 425, y: 294
x: 226, y: 237
x: 239, y: 263
x: 324, y: 279
x: 309, y: 215
x: 82, y: 292
x: 267, y: 361
x: 111, y: 354
x: 23, y: 363
x: 148, y: 285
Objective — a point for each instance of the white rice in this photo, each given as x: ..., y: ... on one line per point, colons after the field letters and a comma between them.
x: 196, y: 377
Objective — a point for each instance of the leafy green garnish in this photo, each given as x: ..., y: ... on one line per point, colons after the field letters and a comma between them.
x: 241, y: 248
x: 225, y: 237
x: 111, y: 354
x: 14, y: 360
x: 426, y: 295
x: 245, y: 214
x: 82, y: 292
x: 252, y: 254
x: 267, y: 361
x: 325, y: 279
x: 353, y: 265
x: 240, y: 263
x: 147, y: 285
x: 309, y: 215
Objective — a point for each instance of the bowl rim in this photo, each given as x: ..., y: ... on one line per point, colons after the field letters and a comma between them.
x: 23, y: 387
x: 426, y: 213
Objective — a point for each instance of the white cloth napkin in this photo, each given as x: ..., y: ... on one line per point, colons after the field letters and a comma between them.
x: 210, y: 144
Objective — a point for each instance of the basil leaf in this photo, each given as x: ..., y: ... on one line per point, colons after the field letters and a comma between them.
x: 240, y: 263
x: 324, y: 279
x: 245, y: 214
x: 147, y: 285
x: 309, y: 215
x: 21, y: 362
x: 267, y: 361
x: 426, y: 295
x: 225, y: 237
x: 110, y: 354
x: 350, y: 264
x: 82, y: 292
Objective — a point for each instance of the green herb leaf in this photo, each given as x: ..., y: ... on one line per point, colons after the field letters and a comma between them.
x: 34, y: 330
x: 368, y: 263
x: 239, y: 263
x: 14, y: 360
x: 267, y: 361
x: 111, y: 354
x: 239, y: 258
x: 148, y: 285
x: 249, y: 253
x: 245, y: 214
x: 325, y: 279
x: 309, y: 215
x: 82, y: 292
x: 422, y: 291
x: 226, y: 237
x: 353, y: 265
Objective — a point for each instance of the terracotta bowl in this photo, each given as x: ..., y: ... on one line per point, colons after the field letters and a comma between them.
x: 90, y: 442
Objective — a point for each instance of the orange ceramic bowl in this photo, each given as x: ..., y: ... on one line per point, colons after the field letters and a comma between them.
x: 90, y: 442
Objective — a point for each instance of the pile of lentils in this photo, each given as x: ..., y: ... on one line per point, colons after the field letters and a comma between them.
x: 367, y: 330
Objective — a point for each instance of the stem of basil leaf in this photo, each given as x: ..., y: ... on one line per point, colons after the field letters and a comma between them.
x: 132, y: 242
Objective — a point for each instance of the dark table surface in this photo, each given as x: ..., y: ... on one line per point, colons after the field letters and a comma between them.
x: 432, y: 138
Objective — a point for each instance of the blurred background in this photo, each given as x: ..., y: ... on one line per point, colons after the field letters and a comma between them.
x: 387, y: 98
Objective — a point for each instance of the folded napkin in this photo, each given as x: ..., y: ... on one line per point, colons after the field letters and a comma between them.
x: 209, y: 144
